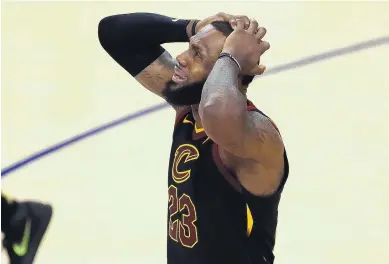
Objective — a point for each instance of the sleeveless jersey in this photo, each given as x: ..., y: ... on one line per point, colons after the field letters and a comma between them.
x: 212, y: 219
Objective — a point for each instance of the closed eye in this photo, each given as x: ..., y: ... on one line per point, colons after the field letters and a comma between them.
x: 197, y: 53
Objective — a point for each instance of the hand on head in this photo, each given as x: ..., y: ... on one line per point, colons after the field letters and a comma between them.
x: 245, y: 43
x: 221, y: 17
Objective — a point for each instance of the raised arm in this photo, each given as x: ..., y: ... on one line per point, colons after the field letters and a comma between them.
x: 223, y: 106
x: 134, y: 42
x: 224, y: 115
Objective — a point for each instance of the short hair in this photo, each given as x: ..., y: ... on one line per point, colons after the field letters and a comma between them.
x: 226, y: 28
x: 223, y: 26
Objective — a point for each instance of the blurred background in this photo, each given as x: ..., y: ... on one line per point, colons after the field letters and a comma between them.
x: 109, y: 201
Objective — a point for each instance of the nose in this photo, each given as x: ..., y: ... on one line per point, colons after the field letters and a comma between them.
x: 182, y: 60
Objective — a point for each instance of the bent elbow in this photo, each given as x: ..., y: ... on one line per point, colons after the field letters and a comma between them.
x: 213, y: 116
x: 103, y: 31
x: 109, y: 31
x: 219, y: 111
x: 209, y: 110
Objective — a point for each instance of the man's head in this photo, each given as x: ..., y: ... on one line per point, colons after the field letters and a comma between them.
x: 195, y: 64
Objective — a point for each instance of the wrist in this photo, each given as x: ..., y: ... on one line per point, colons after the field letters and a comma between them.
x: 191, y: 27
x: 225, y: 55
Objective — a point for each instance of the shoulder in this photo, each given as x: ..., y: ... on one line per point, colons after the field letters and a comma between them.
x: 263, y: 140
x: 264, y: 131
x: 262, y: 172
x: 260, y: 117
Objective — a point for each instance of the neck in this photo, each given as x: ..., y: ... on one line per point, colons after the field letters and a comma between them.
x: 195, y: 111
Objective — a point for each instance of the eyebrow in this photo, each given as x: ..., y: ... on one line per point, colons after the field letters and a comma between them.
x: 198, y: 36
x: 202, y: 48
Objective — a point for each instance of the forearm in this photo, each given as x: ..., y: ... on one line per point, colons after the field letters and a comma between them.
x: 133, y: 40
x: 140, y: 29
x: 221, y: 97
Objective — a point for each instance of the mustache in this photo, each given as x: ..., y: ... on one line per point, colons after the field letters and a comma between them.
x: 189, y: 94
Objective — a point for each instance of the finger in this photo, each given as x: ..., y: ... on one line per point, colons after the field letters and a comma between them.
x: 246, y: 20
x: 226, y: 17
x: 260, y: 33
x: 233, y: 23
x: 264, y: 46
x: 253, y: 26
x: 239, y: 24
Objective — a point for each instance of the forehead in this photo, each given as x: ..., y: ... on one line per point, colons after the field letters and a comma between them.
x: 209, y: 37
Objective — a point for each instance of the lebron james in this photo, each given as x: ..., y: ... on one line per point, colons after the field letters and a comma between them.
x: 228, y: 164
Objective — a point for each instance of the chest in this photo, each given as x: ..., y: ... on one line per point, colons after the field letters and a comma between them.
x: 195, y: 160
x: 191, y: 151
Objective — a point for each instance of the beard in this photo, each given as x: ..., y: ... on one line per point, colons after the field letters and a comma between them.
x: 189, y: 94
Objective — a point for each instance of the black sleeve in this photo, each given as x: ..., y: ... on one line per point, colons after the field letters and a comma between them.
x: 134, y: 40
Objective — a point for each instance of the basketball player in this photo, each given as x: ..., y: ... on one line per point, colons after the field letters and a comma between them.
x: 23, y: 225
x: 228, y: 165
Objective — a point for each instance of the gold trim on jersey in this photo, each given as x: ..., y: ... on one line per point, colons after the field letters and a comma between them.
x: 250, y: 220
x: 186, y: 121
x: 197, y: 130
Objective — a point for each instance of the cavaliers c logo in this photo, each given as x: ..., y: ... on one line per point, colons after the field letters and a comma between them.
x: 184, y: 154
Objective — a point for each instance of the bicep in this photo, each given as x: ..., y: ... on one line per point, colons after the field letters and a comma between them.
x: 155, y: 75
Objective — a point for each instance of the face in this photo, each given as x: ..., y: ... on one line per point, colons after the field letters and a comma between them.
x: 193, y: 67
